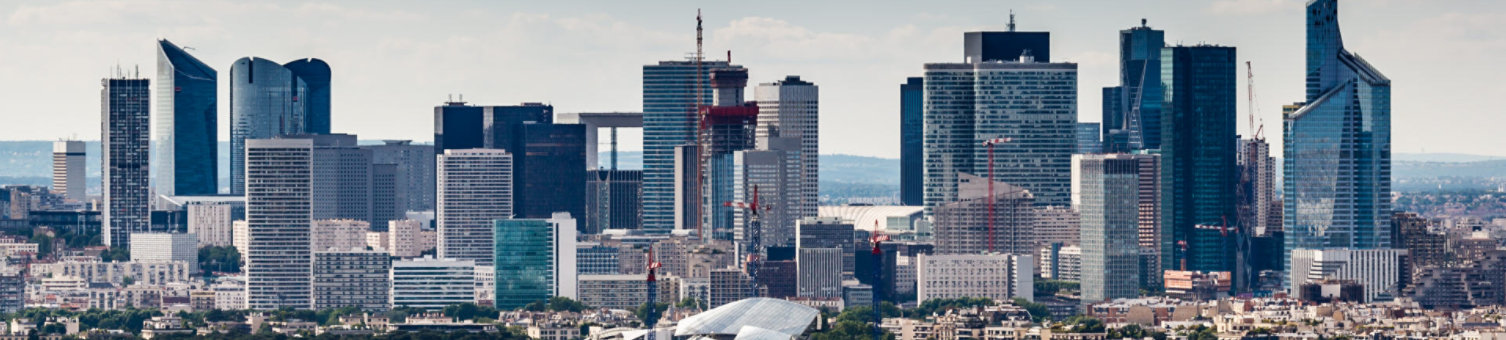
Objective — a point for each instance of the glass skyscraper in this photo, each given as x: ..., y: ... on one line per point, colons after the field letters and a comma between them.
x: 670, y: 101
x: 263, y: 104
x: 550, y: 159
x: 314, y: 74
x: 912, y: 126
x: 1337, y: 147
x: 1132, y: 110
x: 187, y: 124
x: 535, y: 260
x: 1109, y: 190
x: 1198, y: 148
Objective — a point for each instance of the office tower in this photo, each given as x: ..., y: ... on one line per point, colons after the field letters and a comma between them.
x: 828, y: 232
x: 535, y: 260
x: 685, y: 200
x: 1001, y: 277
x: 912, y: 126
x: 729, y: 125
x: 773, y: 172
x: 352, y: 278
x: 346, y: 184
x: 789, y: 108
x: 1198, y: 149
x: 211, y: 224
x: 597, y: 259
x: 1109, y: 188
x: 672, y: 92
x: 338, y: 234
x: 279, y: 210
x: 1337, y: 147
x: 548, y: 158
x: 779, y: 278
x: 1376, y: 269
x: 1257, y: 171
x: 415, y: 172
x: 458, y: 126
x: 1087, y: 138
x: 125, y: 154
x: 1007, y: 45
x: 613, y: 200
x: 475, y: 188
x: 313, y: 76
x: 164, y: 247
x: 68, y: 169
x: 1132, y: 111
x: 963, y: 226
x: 819, y: 272
x: 186, y: 152
x: 263, y: 104
x: 1033, y: 104
x: 432, y: 284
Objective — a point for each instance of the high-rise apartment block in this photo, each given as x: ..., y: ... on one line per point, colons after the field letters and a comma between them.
x: 279, y: 211
x: 68, y: 169
x: 338, y: 234
x: 212, y: 223
x: 125, y: 156
x: 535, y: 260
x: 186, y: 152
x: 352, y: 278
x: 475, y: 188
x: 819, y: 272
x: 1001, y: 277
x: 770, y: 176
x: 1257, y: 171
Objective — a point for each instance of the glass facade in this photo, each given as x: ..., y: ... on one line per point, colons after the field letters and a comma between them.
x: 1198, y: 149
x: 315, y: 100
x: 1132, y: 110
x: 124, y: 158
x: 669, y: 120
x: 263, y: 104
x: 1110, y: 188
x: 187, y: 124
x: 911, y: 137
x: 1337, y: 147
x: 525, y: 262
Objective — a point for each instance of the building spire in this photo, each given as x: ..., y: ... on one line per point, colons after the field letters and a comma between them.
x: 1011, y: 20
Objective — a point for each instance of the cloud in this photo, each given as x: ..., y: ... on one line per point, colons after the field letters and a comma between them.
x: 1250, y: 7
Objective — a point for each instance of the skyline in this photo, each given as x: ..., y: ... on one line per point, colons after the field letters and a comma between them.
x: 397, y: 56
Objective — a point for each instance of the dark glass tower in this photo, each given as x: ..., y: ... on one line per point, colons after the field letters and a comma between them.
x: 1132, y: 110
x: 1010, y: 45
x: 670, y: 120
x: 912, y: 141
x: 187, y: 123
x: 1198, y: 148
x: 458, y: 126
x: 549, y: 159
x: 1337, y: 147
x: 315, y: 101
x: 263, y: 104
x: 124, y: 154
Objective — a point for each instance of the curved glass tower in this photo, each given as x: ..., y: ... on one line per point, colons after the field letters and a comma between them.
x: 315, y: 74
x: 186, y: 151
x: 263, y: 104
x: 1338, y: 147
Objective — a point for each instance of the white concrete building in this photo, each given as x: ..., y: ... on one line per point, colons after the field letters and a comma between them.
x: 1001, y: 277
x: 352, y: 277
x: 1376, y: 269
x: 341, y: 234
x: 819, y: 272
x: 279, y: 211
x: 431, y: 283
x: 151, y: 273
x: 475, y: 188
x: 212, y: 223
x: 242, y: 237
x: 486, y: 285
x: 163, y: 247
x: 407, y: 239
x: 68, y: 169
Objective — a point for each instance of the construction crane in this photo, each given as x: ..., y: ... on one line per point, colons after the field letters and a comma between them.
x: 653, y: 295
x: 755, y: 236
x: 1257, y: 131
x: 698, y: 123
x: 990, y: 144
x: 878, y: 274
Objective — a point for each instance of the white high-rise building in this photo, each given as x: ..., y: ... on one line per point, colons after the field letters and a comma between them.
x: 819, y: 272
x: 164, y: 247
x: 1033, y: 104
x: 475, y: 188
x: 790, y: 108
x: 68, y: 169
x: 1377, y: 270
x: 774, y: 171
x: 431, y: 283
x: 1110, y: 186
x: 124, y: 156
x: 279, y: 210
x: 242, y: 238
x: 338, y: 235
x: 1001, y: 277
x: 212, y: 223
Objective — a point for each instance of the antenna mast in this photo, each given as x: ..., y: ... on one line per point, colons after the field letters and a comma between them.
x: 1011, y: 20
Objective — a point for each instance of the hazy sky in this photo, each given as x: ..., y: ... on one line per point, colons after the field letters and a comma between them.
x: 394, y: 60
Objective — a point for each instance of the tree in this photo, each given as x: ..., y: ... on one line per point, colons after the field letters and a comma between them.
x: 1038, y: 311
x: 689, y: 302
x: 565, y: 304
x: 469, y: 311
x: 643, y: 310
x: 225, y: 259
x: 115, y: 254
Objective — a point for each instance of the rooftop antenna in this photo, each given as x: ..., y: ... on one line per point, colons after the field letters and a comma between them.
x: 1011, y: 20
x: 1143, y: 24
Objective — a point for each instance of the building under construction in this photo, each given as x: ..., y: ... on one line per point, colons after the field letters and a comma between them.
x: 964, y: 226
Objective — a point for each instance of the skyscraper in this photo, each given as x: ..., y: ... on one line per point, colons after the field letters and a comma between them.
x: 1109, y: 188
x: 313, y: 74
x: 1007, y: 45
x: 415, y: 172
x: 1132, y: 110
x: 186, y: 152
x: 263, y: 104
x: 730, y: 125
x: 125, y: 156
x: 1198, y: 152
x: 475, y: 188
x: 1033, y: 104
x: 772, y: 173
x: 535, y: 260
x: 1088, y: 138
x: 1257, y: 180
x: 672, y: 92
x: 549, y: 159
x: 1337, y: 147
x: 279, y: 212
x: 789, y: 108
x: 963, y: 226
x: 68, y: 169
x: 614, y: 200
x: 912, y: 126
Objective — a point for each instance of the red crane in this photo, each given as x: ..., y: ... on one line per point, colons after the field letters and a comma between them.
x: 653, y: 294
x: 990, y: 144
x: 878, y: 272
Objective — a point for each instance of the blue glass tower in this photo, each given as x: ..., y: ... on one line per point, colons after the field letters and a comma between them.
x: 1132, y: 110
x: 263, y: 104
x: 912, y: 141
x: 670, y: 102
x: 187, y: 124
x: 315, y: 101
x: 1198, y: 151
x: 1337, y: 147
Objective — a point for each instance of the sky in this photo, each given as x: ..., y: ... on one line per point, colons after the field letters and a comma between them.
x: 393, y: 61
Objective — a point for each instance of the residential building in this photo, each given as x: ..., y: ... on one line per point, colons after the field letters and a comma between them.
x: 1033, y: 104
x: 242, y: 238
x: 406, y: 238
x: 68, y: 169
x: 338, y: 235
x: 789, y: 108
x: 279, y: 211
x: 1061, y: 262
x: 625, y: 292
x: 593, y: 258
x: 124, y: 134
x: 486, y: 285
x: 985, y: 218
x: 728, y: 285
x: 430, y: 283
x: 911, y: 146
x: 212, y: 223
x: 614, y: 200
x: 828, y: 232
x: 1337, y: 147
x: 672, y: 92
x: 1001, y: 277
x: 165, y: 247
x: 146, y: 273
x: 1257, y: 171
x: 1377, y: 270
x: 186, y: 152
x: 1132, y: 110
x: 475, y: 188
x: 819, y: 272
x: 415, y: 173
x: 1108, y: 186
x: 1198, y: 151
x: 352, y: 277
x: 1056, y: 225
x: 12, y: 292
x: 535, y: 260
